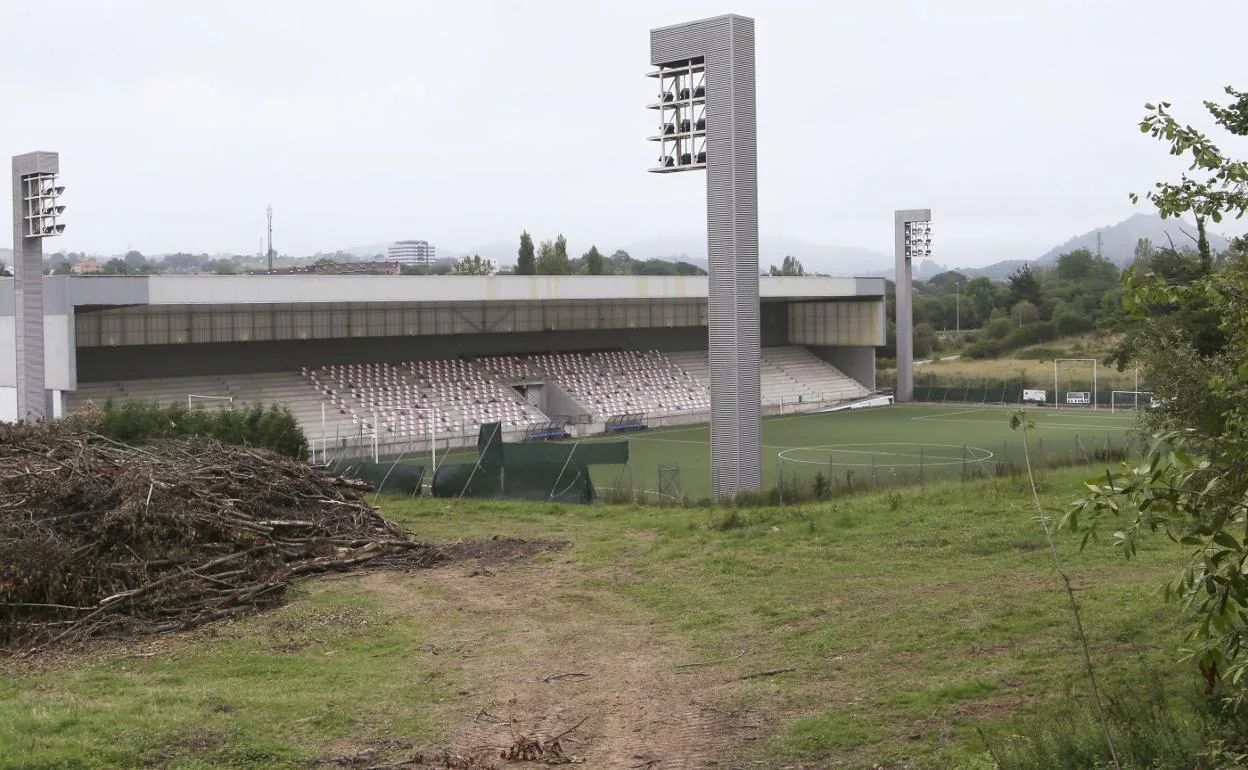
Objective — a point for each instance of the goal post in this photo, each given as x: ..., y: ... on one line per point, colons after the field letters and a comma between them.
x: 1071, y: 397
x: 191, y: 398
x: 1129, y: 399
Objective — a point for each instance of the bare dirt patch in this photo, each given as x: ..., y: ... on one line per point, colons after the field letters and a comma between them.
x: 544, y: 658
x: 499, y: 550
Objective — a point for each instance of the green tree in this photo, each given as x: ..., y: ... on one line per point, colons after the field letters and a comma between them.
x: 1024, y: 313
x: 979, y: 299
x: 1218, y: 184
x: 1024, y: 286
x: 116, y: 266
x: 473, y: 265
x: 924, y: 340
x: 561, y: 251
x: 593, y: 261
x: 998, y: 328
x: 552, y: 258
x: 1081, y: 265
x: 525, y: 261
x: 790, y: 266
x: 135, y: 260
x: 62, y: 268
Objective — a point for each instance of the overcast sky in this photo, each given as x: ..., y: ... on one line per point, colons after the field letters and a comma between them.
x: 464, y: 122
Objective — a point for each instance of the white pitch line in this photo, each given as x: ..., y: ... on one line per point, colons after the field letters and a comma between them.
x: 948, y: 414
x: 706, y: 443
x: 1062, y: 426
x: 877, y: 454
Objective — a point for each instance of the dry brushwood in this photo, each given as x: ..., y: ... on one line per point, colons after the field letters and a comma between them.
x: 98, y: 538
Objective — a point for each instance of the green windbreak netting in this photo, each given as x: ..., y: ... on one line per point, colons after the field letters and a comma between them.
x: 604, y: 453
x: 541, y: 481
x: 490, y: 443
x: 528, y: 471
x: 467, y: 480
x: 395, y: 478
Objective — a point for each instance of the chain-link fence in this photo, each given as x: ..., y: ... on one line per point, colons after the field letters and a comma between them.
x: 828, y: 471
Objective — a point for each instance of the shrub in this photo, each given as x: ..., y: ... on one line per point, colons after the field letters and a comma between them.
x: 988, y: 348
x: 1030, y: 334
x: 998, y: 328
x: 139, y: 423
x: 1069, y: 323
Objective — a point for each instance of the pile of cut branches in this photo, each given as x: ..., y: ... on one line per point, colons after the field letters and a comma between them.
x: 102, y: 539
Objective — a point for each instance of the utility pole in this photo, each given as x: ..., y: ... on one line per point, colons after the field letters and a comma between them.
x: 268, y: 210
x: 957, y: 307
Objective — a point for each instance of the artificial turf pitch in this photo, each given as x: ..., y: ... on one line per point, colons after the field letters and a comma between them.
x: 880, y: 446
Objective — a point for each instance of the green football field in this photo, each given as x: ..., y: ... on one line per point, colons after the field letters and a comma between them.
x: 879, y: 446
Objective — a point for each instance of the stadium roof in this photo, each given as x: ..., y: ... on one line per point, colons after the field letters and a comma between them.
x: 111, y: 291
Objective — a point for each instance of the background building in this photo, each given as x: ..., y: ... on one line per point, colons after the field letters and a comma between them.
x: 412, y: 252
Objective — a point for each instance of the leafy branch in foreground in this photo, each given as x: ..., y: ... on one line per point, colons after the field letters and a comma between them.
x: 1223, y: 188
x: 1193, y: 487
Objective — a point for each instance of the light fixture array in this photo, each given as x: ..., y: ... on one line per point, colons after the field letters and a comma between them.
x: 43, y: 208
x: 918, y: 239
x: 681, y: 106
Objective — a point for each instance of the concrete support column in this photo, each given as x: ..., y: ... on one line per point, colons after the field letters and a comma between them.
x: 904, y: 302
x: 32, y: 399
x: 725, y: 44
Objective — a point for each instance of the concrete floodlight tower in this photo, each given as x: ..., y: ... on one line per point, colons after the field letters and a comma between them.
x: 705, y: 72
x: 36, y: 215
x: 912, y: 238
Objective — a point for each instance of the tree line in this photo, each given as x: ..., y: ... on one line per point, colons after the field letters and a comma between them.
x: 550, y: 257
x: 1079, y: 293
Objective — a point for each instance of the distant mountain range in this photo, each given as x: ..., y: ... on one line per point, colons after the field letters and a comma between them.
x: 1117, y: 244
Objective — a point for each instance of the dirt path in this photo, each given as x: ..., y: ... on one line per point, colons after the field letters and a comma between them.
x: 538, y: 652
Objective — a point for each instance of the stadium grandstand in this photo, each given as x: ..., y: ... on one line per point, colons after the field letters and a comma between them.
x: 389, y: 361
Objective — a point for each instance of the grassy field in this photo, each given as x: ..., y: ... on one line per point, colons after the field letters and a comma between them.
x: 878, y: 630
x: 885, y: 446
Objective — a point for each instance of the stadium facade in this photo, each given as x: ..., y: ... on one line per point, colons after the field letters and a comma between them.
x: 353, y: 346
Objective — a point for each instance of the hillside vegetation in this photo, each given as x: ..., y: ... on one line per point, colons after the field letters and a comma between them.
x: 1032, y: 364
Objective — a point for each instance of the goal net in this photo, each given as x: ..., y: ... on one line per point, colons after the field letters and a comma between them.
x: 1074, y: 382
x: 1122, y: 400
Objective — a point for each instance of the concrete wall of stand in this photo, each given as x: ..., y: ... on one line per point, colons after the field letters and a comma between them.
x: 148, y: 361
x: 857, y: 362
